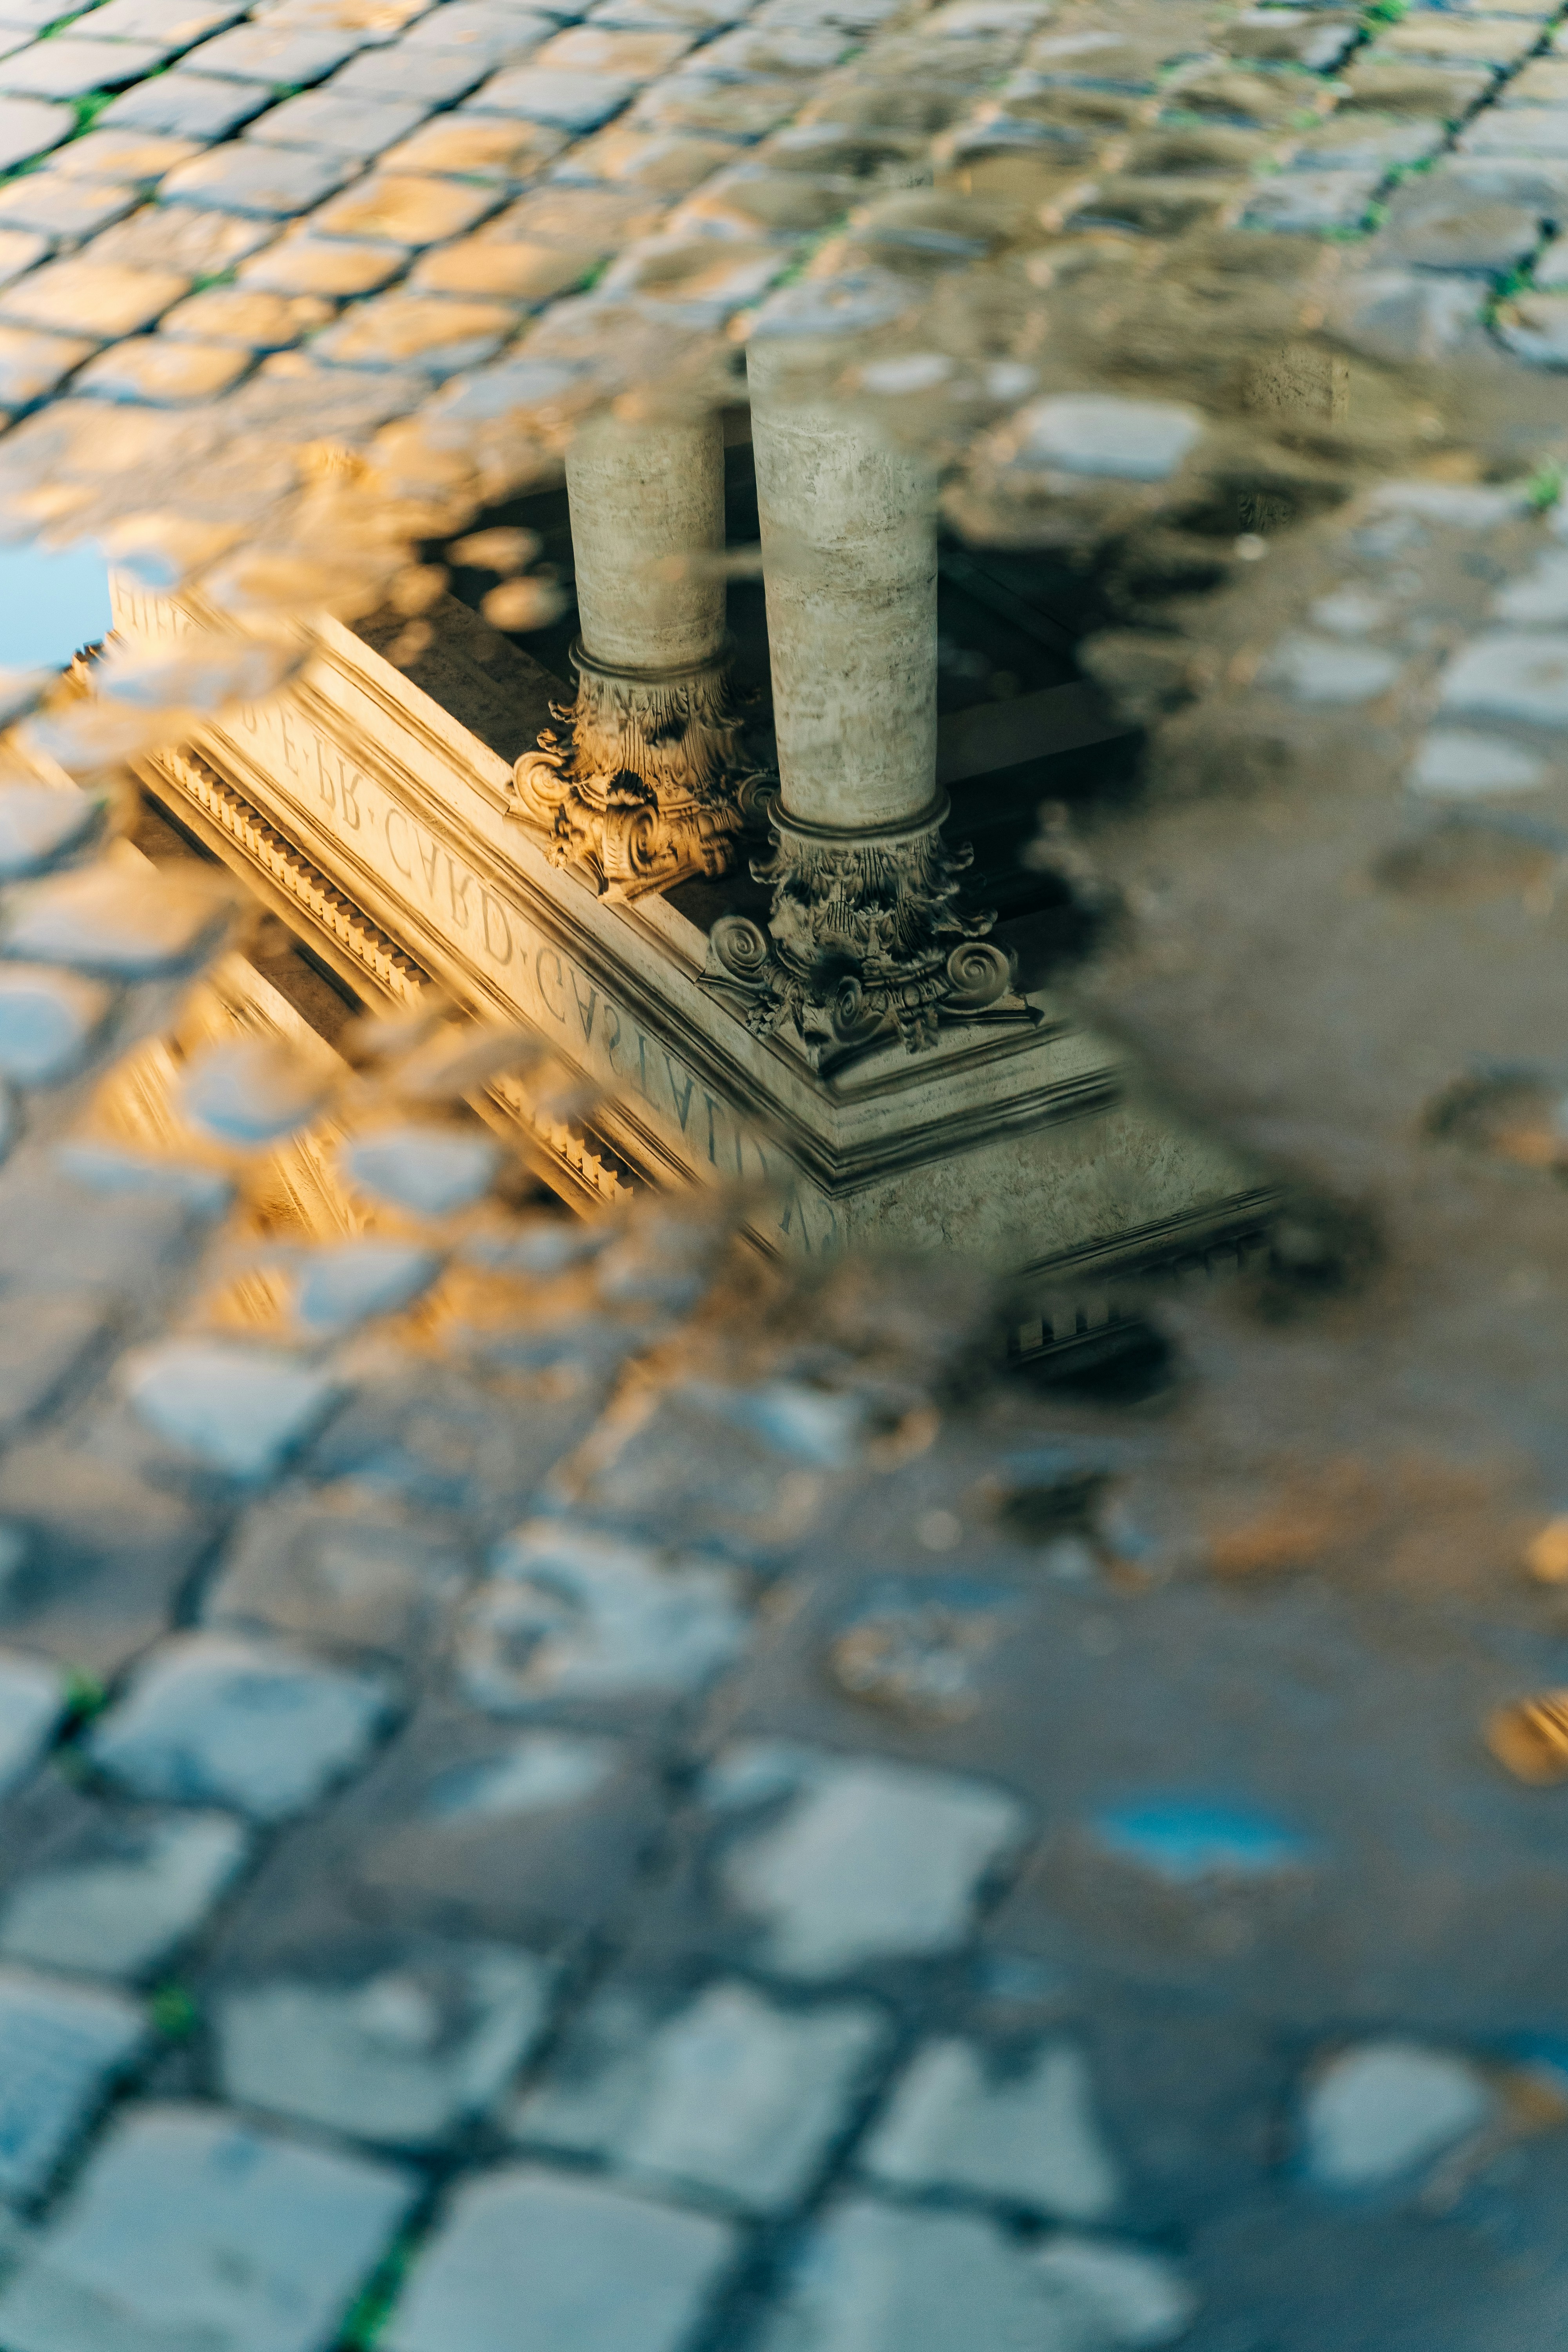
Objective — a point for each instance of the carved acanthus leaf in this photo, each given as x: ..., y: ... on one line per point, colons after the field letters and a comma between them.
x: 647, y: 783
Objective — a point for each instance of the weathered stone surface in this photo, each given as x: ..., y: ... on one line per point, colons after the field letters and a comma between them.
x: 177, y: 236
x: 63, y: 204
x: 428, y: 1171
x: 739, y: 1471
x: 32, y: 1701
x: 596, y: 48
x: 1314, y: 202
x: 39, y: 823
x: 166, y: 374
x: 534, y: 1774
x: 255, y: 321
x: 1538, y: 599
x: 1493, y: 40
x: 213, y: 1720
x: 133, y: 927
x: 1323, y: 670
x: 438, y: 1440
x: 921, y: 1648
x: 402, y: 2055
x: 1535, y: 326
x: 242, y: 1409
x: 833, y: 1880
x: 595, y: 2270
x: 485, y: 265
x: 28, y: 127
x: 1381, y: 2110
x: 123, y: 1895
x: 874, y: 2279
x: 1399, y: 314
x: 268, y: 183
x: 280, y: 56
x: 1359, y: 140
x: 104, y: 1552
x: 61, y: 2046
x: 69, y: 68
x: 1449, y: 228
x: 482, y: 147
x: 399, y: 209
x: 20, y: 249
x: 464, y: 1826
x: 1102, y: 434
x: 1028, y: 2134
x: 32, y: 363
x: 566, y: 101
x: 94, y: 299
x: 398, y: 330
x: 1510, y: 675
x: 304, y: 266
x: 181, y: 105
x: 174, y: 23
x: 322, y: 1567
x: 43, y: 1342
x: 1455, y: 763
x: 190, y: 2228
x: 361, y: 127
x: 433, y: 76
x: 727, y: 2093
x: 1517, y: 131
x: 569, y: 1614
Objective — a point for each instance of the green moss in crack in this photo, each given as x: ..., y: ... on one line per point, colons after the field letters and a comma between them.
x: 85, y: 1698
x: 367, y: 2322
x: 173, y: 2012
x: 89, y: 108
x: 1544, y: 489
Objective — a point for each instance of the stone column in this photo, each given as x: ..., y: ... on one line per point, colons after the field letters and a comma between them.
x: 864, y: 935
x: 643, y: 785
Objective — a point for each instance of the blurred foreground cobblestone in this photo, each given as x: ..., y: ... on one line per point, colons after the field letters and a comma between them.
x: 727, y: 1840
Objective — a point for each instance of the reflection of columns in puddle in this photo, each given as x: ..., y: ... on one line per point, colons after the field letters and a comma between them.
x: 864, y: 930
x: 642, y: 785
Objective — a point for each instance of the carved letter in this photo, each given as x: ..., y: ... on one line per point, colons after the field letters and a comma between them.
x: 490, y: 908
x: 458, y: 891
x: 396, y: 815
x: 584, y: 1012
x: 560, y: 981
x: 642, y: 1067
x: 792, y: 1207
x: 292, y: 759
x: 612, y: 1044
x: 350, y: 778
x: 323, y: 780
x: 682, y: 1101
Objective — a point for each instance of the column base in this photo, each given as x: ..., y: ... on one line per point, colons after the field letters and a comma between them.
x: 863, y: 938
x: 648, y: 783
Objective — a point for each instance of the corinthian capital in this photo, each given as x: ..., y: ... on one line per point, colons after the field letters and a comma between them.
x: 648, y: 781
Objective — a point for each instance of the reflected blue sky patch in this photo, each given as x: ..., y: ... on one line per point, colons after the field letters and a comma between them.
x: 1185, y: 1839
x: 53, y: 601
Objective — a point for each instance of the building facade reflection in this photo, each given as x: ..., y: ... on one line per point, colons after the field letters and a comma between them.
x: 856, y: 1048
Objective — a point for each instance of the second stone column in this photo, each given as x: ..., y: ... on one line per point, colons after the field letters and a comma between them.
x: 863, y: 935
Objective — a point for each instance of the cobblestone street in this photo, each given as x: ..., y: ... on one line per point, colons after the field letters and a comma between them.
x: 569, y: 1787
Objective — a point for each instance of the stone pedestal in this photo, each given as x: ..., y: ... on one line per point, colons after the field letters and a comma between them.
x: 646, y: 781
x: 865, y: 935
x: 380, y: 825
